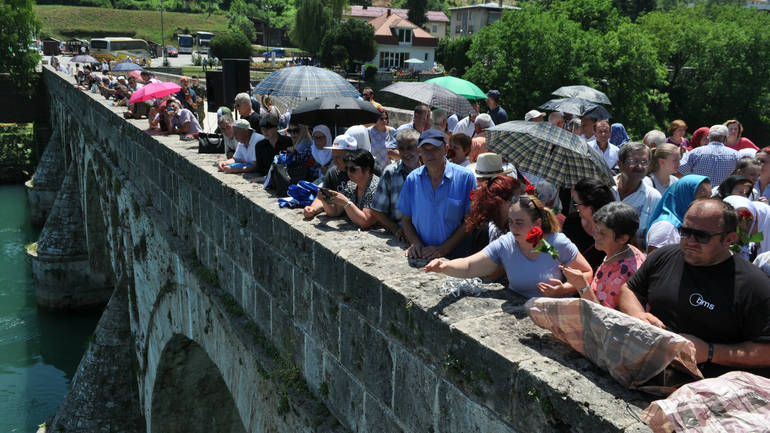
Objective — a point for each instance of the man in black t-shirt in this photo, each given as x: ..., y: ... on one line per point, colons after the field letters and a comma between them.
x: 701, y: 290
x: 271, y: 145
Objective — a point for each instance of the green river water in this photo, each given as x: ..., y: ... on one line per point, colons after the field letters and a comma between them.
x: 39, y: 352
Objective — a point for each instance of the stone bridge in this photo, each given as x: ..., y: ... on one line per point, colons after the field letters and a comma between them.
x: 228, y: 314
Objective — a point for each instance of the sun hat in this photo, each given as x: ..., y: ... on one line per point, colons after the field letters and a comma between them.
x: 489, y: 165
x: 343, y: 142
x: 432, y: 136
x: 533, y: 114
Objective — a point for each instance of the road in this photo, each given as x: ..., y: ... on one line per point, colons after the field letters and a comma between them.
x: 186, y: 60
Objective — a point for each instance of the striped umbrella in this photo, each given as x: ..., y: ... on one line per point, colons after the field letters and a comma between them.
x: 432, y: 95
x: 296, y: 84
x: 548, y: 151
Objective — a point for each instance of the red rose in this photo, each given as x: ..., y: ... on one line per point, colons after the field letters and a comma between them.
x: 530, y: 189
x: 535, y: 236
x: 745, y: 215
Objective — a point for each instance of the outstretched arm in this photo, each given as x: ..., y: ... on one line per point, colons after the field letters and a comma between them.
x: 477, y: 265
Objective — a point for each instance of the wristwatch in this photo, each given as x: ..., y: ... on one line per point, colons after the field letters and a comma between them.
x: 583, y: 290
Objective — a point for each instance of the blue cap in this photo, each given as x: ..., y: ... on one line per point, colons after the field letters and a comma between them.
x: 432, y: 136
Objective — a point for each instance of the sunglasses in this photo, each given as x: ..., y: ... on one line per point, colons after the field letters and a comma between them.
x: 700, y: 236
x: 352, y: 169
x: 524, y: 201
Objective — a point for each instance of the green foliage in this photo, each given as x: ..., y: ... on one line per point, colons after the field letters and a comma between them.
x: 310, y: 25
x: 417, y: 10
x: 337, y: 6
x: 370, y: 72
x: 351, y: 41
x: 17, y: 161
x: 453, y: 54
x: 20, y: 26
x: 231, y: 45
x: 239, y: 23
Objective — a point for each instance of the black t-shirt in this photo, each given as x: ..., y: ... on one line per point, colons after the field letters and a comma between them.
x: 573, y: 229
x: 253, y: 119
x: 265, y: 152
x: 334, y: 178
x: 727, y: 303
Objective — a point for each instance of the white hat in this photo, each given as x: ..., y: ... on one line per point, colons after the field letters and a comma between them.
x: 718, y: 130
x: 533, y: 114
x: 489, y: 165
x: 343, y: 142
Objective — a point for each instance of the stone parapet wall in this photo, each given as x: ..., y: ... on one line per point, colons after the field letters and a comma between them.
x: 373, y: 338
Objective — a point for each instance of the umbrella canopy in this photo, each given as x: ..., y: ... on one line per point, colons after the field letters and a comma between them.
x: 585, y: 92
x: 337, y: 111
x: 432, y: 95
x: 413, y: 60
x: 136, y: 74
x: 82, y: 58
x: 126, y: 66
x: 153, y: 91
x: 297, y: 84
x: 464, y: 88
x: 577, y: 106
x: 548, y: 151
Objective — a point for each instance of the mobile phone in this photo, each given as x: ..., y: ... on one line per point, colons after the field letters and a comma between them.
x: 326, y: 195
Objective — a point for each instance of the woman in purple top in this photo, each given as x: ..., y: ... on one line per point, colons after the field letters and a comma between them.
x: 676, y: 133
x: 530, y: 272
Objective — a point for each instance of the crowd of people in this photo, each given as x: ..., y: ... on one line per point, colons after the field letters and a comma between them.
x: 676, y: 240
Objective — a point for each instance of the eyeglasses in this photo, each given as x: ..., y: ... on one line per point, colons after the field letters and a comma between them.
x: 700, y: 236
x: 640, y: 162
x: 352, y: 169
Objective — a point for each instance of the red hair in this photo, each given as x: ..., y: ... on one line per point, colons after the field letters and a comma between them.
x: 697, y: 136
x: 488, y: 198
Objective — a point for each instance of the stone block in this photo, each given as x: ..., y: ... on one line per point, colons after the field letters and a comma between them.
x: 293, y: 243
x: 248, y: 294
x: 363, y: 292
x: 414, y: 391
x: 346, y: 396
x: 288, y: 338
x: 313, y: 367
x: 378, y: 418
x: 261, y: 313
x: 458, y: 413
x: 303, y: 300
x: 325, y: 327
x: 365, y: 352
x: 260, y: 261
x: 237, y: 284
x: 281, y: 282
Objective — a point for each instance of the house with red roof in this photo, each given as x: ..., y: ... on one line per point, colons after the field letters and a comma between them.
x: 436, y: 23
x: 402, y: 44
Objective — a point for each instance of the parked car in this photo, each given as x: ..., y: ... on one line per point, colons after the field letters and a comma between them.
x: 279, y: 52
x: 171, y: 51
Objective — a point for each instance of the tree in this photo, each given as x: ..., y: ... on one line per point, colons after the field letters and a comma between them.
x: 417, y: 10
x: 351, y: 41
x: 337, y: 6
x: 231, y: 45
x: 310, y: 25
x: 453, y: 54
x: 240, y: 23
x: 20, y: 26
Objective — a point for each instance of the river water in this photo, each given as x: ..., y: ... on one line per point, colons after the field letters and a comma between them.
x: 39, y: 352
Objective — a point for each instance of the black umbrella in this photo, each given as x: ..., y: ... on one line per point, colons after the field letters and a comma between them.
x: 578, y: 107
x: 585, y: 92
x: 432, y: 95
x: 335, y: 111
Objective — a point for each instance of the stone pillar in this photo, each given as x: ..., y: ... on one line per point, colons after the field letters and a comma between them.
x: 45, y: 183
x: 60, y: 265
x: 104, y: 396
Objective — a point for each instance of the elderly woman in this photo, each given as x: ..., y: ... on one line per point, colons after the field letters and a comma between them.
x: 616, y: 224
x: 669, y: 212
x: 664, y: 162
x: 735, y: 138
x: 676, y: 134
x: 700, y: 137
x: 382, y: 138
x: 735, y: 184
x: 588, y: 196
x: 322, y: 138
x: 354, y: 197
x: 530, y: 272
x: 758, y: 223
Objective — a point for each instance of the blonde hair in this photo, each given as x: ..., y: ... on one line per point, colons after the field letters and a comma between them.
x: 676, y: 124
x: 661, y: 151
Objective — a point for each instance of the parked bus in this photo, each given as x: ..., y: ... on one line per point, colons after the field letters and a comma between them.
x: 185, y: 43
x: 202, y: 40
x: 121, y: 49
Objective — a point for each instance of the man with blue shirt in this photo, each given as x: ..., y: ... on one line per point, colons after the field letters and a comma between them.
x: 434, y: 201
x: 714, y: 160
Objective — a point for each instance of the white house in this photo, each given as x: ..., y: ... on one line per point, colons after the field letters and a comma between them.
x: 398, y: 40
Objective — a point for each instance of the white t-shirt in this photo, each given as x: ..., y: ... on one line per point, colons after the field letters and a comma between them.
x: 644, y: 199
x: 610, y: 155
x: 651, y: 181
x: 248, y: 153
x: 662, y: 233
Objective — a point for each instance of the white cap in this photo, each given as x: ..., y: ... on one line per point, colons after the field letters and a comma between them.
x: 718, y: 130
x: 532, y: 114
x: 343, y: 142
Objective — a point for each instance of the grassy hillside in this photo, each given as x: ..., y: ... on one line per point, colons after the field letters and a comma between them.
x: 66, y: 22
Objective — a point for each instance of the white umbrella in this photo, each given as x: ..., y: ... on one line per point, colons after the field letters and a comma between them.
x: 413, y: 60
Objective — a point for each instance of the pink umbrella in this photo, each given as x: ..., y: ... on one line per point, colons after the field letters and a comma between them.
x: 153, y: 91
x: 136, y: 74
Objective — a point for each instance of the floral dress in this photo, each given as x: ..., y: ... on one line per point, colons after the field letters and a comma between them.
x: 349, y: 190
x: 611, y: 276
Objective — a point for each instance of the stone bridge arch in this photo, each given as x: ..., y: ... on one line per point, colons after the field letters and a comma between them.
x: 96, y: 206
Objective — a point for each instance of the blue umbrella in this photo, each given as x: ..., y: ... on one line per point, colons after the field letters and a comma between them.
x: 296, y: 84
x: 126, y: 66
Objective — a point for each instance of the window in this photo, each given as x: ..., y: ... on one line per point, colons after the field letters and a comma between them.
x: 404, y: 36
x: 435, y: 28
x: 426, y: 57
x: 392, y: 60
x: 470, y: 29
x: 492, y: 17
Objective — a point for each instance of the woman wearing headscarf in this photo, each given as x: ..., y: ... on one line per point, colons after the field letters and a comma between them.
x: 699, y: 138
x: 619, y: 136
x: 382, y: 138
x: 322, y: 138
x: 669, y: 213
x: 760, y: 213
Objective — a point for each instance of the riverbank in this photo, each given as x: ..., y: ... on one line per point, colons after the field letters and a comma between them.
x: 17, y: 156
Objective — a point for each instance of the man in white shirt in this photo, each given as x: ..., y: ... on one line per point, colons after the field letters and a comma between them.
x: 609, y: 151
x: 633, y: 160
x: 244, y: 159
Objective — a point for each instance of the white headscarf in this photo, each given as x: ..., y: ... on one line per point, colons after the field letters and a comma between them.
x: 361, y: 134
x: 761, y: 213
x: 322, y: 156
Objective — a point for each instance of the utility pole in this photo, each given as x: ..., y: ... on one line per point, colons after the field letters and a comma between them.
x: 163, y: 36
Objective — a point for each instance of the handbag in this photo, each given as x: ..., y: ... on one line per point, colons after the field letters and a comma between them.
x: 286, y: 169
x: 211, y: 143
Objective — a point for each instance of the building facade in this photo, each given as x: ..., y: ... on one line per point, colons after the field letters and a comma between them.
x: 467, y: 20
x: 436, y: 23
x: 399, y: 40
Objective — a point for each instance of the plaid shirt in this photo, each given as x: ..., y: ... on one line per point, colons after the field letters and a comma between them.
x: 714, y: 160
x: 388, y: 190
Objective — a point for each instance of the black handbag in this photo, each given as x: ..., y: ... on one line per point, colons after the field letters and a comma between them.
x: 211, y: 143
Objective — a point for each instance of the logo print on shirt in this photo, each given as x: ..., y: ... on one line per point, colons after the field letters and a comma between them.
x: 696, y: 300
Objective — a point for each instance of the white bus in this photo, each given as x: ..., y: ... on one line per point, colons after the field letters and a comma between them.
x: 121, y: 49
x: 202, y: 40
x: 185, y: 43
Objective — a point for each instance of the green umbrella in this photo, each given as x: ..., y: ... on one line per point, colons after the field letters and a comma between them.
x: 462, y: 87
